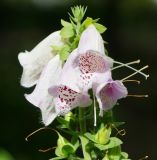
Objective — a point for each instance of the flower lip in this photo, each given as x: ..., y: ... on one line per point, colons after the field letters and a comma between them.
x: 92, y: 61
x: 66, y: 99
x: 108, y: 93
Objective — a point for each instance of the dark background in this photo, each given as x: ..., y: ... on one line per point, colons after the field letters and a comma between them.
x: 132, y: 34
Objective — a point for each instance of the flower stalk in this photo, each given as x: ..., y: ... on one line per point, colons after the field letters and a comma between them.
x: 82, y: 120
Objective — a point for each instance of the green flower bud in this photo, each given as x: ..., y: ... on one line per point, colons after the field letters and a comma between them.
x: 103, y: 134
x: 78, y: 13
x: 61, y: 141
x: 69, y: 116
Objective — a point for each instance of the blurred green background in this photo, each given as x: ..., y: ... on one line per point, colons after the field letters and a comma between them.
x: 132, y: 34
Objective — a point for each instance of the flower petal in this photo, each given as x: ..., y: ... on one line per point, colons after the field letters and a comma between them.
x: 66, y: 99
x: 34, y: 61
x: 109, y: 92
x: 91, y: 40
x: 40, y: 96
x: 92, y: 66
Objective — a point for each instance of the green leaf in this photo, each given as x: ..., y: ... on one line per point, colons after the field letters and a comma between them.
x: 67, y: 32
x: 84, y: 142
x: 66, y: 24
x: 100, y: 27
x: 115, y: 153
x: 4, y: 155
x: 90, y: 136
x: 64, y: 52
x: 124, y: 155
x: 114, y: 142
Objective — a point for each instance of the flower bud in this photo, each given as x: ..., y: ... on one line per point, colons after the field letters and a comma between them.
x: 103, y: 134
x: 68, y: 116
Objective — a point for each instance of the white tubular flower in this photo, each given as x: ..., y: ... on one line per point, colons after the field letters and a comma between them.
x: 42, y: 67
x: 34, y: 61
x: 40, y: 96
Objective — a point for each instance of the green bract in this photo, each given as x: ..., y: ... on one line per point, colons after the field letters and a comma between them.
x: 65, y: 148
x: 103, y: 135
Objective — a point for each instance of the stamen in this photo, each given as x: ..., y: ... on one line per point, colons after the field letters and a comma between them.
x: 138, y: 71
x: 95, y: 118
x: 121, y: 132
x: 138, y: 96
x: 43, y: 128
x: 46, y: 150
x: 124, y: 64
x: 130, y: 80
x: 132, y: 68
x: 143, y: 158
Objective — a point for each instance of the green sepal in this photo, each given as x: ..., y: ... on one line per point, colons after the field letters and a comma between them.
x: 100, y: 27
x: 113, y: 142
x: 64, y: 52
x: 115, y: 153
x: 64, y: 147
x: 67, y: 32
x: 90, y: 136
x: 103, y: 134
x: 66, y: 24
x: 88, y: 21
x: 84, y: 142
x: 68, y: 149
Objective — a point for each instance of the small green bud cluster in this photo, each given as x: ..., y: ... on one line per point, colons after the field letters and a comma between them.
x: 71, y: 31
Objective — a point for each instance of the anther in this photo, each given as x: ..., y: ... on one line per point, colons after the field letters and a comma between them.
x: 121, y: 132
x: 46, y: 150
x: 124, y: 64
x: 43, y: 128
x: 138, y: 71
x: 138, y: 96
x: 144, y: 158
x: 136, y: 81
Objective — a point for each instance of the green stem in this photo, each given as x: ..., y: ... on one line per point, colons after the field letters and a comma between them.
x: 82, y: 120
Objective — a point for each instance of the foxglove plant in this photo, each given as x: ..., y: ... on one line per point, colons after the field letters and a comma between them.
x: 74, y: 85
